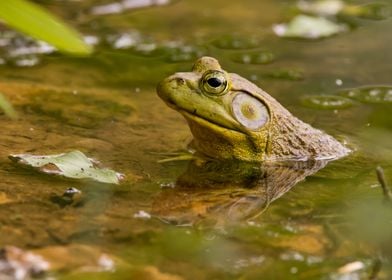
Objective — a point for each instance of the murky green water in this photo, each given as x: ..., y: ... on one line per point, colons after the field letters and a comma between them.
x: 229, y: 227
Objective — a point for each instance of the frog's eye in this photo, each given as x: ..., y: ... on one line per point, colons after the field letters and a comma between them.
x: 249, y: 111
x: 214, y: 82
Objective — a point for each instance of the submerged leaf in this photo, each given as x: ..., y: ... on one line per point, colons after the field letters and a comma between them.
x: 33, y: 20
x: 326, y: 102
x: 373, y: 11
x: 71, y: 165
x: 259, y: 57
x: 236, y: 42
x: 309, y: 27
x: 7, y: 108
x: 286, y: 74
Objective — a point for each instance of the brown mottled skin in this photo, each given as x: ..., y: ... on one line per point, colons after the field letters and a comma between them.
x: 218, y: 134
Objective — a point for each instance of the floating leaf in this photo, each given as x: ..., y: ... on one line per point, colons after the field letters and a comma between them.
x: 309, y: 27
x: 376, y: 94
x: 327, y: 102
x: 7, y: 108
x: 286, y: 74
x: 33, y: 20
x: 235, y: 42
x: 260, y: 57
x: 183, y: 54
x: 148, y: 50
x: 71, y: 165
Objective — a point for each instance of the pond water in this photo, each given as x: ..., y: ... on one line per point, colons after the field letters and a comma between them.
x: 237, y: 222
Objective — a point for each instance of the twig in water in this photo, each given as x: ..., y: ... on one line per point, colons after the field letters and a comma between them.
x: 383, y: 183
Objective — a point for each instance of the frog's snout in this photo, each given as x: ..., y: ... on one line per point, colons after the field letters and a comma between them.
x: 162, y: 89
x: 175, y: 81
x: 169, y: 85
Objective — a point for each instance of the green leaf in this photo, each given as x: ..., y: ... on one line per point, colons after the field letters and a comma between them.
x: 6, y: 106
x: 36, y: 22
x: 71, y: 165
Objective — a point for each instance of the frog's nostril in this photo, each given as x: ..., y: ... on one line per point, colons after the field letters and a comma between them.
x: 180, y: 81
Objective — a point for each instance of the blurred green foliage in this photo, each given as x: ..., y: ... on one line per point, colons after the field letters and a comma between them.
x: 38, y: 23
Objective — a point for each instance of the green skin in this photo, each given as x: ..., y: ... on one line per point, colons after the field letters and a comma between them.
x: 219, y: 134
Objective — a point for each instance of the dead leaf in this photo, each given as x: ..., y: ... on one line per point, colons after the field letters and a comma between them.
x: 71, y: 165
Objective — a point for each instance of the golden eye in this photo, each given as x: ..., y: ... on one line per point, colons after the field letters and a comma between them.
x: 214, y: 82
x: 249, y: 111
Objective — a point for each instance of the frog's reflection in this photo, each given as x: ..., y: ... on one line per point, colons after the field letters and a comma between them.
x: 216, y: 193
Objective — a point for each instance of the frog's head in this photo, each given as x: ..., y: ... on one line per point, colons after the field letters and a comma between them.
x: 231, y: 118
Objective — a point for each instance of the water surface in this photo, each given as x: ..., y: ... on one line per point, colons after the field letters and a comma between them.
x: 106, y: 106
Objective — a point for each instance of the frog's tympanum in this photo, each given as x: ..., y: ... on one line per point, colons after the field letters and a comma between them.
x: 231, y: 118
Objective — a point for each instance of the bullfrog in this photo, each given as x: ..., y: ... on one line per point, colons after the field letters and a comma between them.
x: 233, y: 119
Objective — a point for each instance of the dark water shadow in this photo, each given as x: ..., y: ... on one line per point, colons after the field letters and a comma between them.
x: 217, y: 194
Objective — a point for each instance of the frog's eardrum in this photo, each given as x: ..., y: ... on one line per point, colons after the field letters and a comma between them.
x: 249, y: 111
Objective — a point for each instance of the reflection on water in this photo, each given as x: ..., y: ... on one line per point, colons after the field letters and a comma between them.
x: 223, y: 193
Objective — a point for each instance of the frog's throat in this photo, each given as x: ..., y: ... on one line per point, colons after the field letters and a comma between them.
x: 220, y: 142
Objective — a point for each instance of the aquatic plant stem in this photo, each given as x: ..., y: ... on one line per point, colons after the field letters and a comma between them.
x: 383, y: 183
x: 7, y: 108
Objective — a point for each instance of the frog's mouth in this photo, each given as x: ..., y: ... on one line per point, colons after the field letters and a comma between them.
x: 193, y: 118
x: 192, y: 115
